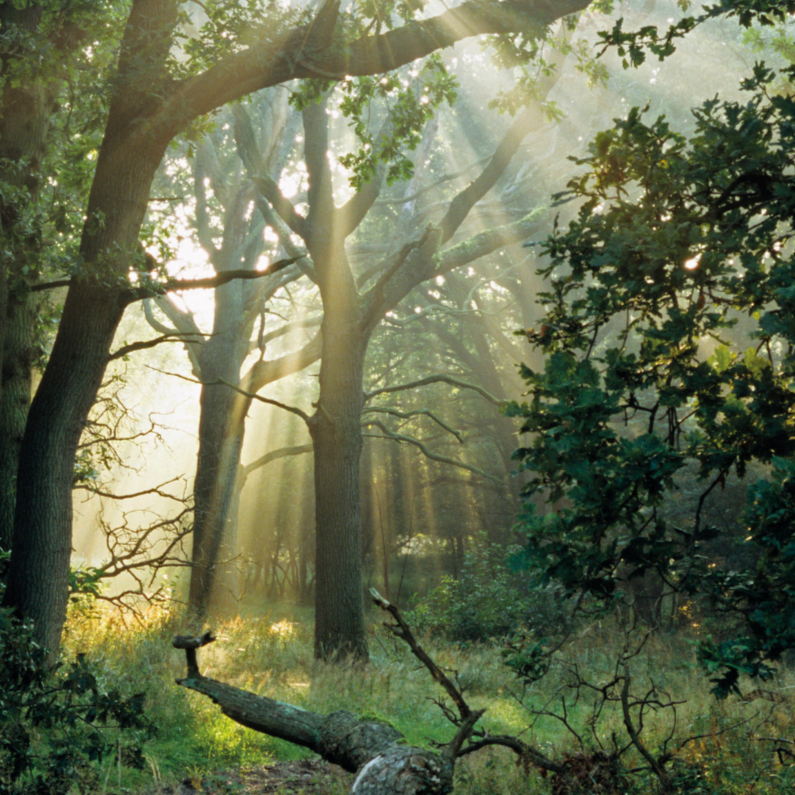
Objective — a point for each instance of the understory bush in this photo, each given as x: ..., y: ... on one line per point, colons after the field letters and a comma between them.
x: 57, y: 723
x: 487, y: 600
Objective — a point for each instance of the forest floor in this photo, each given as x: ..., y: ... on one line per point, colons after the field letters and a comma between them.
x: 720, y: 747
x: 303, y: 776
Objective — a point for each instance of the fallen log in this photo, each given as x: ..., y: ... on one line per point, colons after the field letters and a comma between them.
x: 375, y: 751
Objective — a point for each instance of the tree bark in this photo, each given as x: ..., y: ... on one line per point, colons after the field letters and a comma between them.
x: 128, y: 158
x: 337, y: 438
x: 17, y: 371
x: 221, y: 432
x: 373, y: 750
x: 26, y: 109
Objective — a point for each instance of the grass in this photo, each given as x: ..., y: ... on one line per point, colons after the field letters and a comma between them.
x: 271, y: 654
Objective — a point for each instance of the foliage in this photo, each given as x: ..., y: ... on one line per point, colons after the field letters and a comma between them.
x: 632, y: 46
x: 668, y: 338
x: 55, y: 722
x: 486, y: 601
x: 411, y: 103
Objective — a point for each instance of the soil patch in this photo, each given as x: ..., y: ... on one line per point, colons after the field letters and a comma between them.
x: 303, y: 777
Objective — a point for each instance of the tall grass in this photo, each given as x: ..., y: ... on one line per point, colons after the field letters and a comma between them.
x: 271, y: 654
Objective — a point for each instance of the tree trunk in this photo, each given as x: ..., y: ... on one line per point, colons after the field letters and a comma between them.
x: 214, y: 492
x: 39, y: 568
x: 20, y: 324
x: 26, y: 109
x: 375, y: 751
x: 337, y: 439
x: 221, y: 432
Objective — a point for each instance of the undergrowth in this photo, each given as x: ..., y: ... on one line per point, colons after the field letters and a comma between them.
x: 728, y: 751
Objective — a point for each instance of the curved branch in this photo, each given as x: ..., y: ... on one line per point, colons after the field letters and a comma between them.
x: 267, y: 371
x: 292, y: 409
x: 275, y: 455
x: 154, y: 490
x: 269, y: 62
x: 486, y: 243
x: 405, y: 415
x: 125, y: 350
x: 294, y: 325
x: 399, y: 437
x: 435, y: 379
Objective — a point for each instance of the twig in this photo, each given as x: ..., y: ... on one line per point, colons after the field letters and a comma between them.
x: 435, y: 379
x: 190, y: 644
x: 400, y: 437
x: 403, y: 631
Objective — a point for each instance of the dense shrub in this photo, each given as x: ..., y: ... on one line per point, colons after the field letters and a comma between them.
x: 57, y: 723
x: 486, y: 601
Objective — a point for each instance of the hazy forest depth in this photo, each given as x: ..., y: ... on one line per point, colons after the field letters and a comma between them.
x: 397, y: 396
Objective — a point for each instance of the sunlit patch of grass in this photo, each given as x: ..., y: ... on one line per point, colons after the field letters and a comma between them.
x: 272, y: 655
x: 494, y: 772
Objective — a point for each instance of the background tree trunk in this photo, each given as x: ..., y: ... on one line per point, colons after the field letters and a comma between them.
x: 337, y: 439
x: 221, y: 432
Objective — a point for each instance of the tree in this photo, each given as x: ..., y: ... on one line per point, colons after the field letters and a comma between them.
x: 240, y: 308
x: 39, y: 55
x: 152, y: 100
x: 351, y: 311
x: 648, y: 382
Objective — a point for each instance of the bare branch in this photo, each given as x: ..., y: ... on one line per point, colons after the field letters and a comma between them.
x: 435, y: 379
x: 146, y: 344
x: 274, y: 455
x: 266, y: 371
x: 399, y: 437
x: 287, y: 328
x: 155, y: 490
x: 405, y: 415
x: 292, y: 409
x: 402, y: 630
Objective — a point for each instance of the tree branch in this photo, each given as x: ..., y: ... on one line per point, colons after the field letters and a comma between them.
x: 145, y: 344
x: 292, y: 409
x: 269, y: 62
x: 435, y: 379
x: 267, y: 371
x: 275, y: 455
x: 399, y: 437
x: 405, y: 415
x: 255, y: 165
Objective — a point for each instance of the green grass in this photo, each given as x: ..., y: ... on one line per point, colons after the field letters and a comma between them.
x: 272, y: 655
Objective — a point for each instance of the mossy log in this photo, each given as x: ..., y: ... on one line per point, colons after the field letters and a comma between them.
x: 375, y: 751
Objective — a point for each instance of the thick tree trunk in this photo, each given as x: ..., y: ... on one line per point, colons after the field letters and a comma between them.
x: 26, y: 108
x: 221, y: 432
x: 42, y: 544
x: 131, y: 151
x: 375, y: 751
x: 337, y: 439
